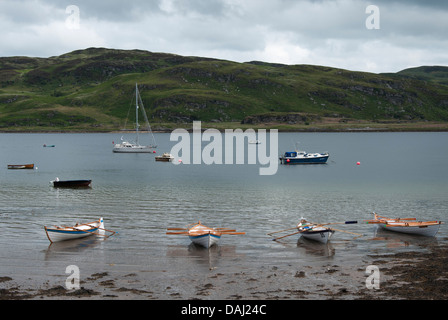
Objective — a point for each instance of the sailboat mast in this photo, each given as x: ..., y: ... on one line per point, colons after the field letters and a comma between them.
x: 136, y: 111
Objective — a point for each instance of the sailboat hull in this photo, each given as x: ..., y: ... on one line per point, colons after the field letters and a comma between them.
x: 129, y: 148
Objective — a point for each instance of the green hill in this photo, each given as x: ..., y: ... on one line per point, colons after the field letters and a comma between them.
x: 92, y: 89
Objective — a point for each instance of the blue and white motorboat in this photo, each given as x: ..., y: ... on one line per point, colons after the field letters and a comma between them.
x: 302, y: 157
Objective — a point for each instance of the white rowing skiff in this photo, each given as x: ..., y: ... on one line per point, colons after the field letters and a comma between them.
x: 314, y: 232
x: 62, y: 233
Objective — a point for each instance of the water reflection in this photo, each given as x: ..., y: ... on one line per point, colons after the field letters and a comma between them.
x: 314, y: 248
x: 206, y: 258
x: 397, y: 240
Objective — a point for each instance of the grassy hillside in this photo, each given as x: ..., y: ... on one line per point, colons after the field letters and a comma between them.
x: 93, y: 89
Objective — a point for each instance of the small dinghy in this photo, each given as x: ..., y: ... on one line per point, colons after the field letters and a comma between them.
x: 71, y: 183
x: 202, y: 235
x: 62, y: 233
x: 165, y: 157
x: 314, y: 232
x: 21, y: 166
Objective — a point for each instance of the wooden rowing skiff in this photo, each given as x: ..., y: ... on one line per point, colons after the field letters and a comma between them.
x: 62, y: 233
x: 407, y: 225
x: 202, y: 235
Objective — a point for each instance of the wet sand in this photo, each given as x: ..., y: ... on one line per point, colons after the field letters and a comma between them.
x: 405, y: 275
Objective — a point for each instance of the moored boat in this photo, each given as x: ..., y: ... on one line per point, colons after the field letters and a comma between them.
x: 202, y: 235
x: 21, y: 166
x: 165, y: 157
x: 71, y: 183
x: 314, y: 232
x: 135, y: 146
x: 302, y: 157
x: 62, y: 233
x: 407, y: 225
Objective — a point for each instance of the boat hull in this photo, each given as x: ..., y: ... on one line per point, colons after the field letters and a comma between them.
x: 165, y: 158
x: 321, y: 236
x: 204, y: 236
x: 69, y: 233
x: 301, y: 157
x: 205, y: 240
x: 424, y: 230
x: 132, y: 149
x: 72, y: 184
x: 314, y: 160
x: 407, y: 225
x: 21, y: 166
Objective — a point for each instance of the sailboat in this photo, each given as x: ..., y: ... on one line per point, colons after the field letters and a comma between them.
x: 134, y: 146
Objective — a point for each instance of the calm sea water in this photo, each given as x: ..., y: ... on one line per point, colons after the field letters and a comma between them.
x: 400, y: 175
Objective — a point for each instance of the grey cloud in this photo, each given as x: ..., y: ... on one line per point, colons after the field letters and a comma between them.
x: 285, y: 31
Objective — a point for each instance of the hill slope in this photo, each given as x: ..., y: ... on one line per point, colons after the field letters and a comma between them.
x: 92, y: 89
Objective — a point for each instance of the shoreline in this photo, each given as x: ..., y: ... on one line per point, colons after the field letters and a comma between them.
x: 404, y: 276
x: 281, y: 127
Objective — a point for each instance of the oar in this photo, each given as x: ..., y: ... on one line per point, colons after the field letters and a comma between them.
x: 275, y: 239
x: 183, y: 232
x: 113, y: 232
x: 344, y: 222
x: 233, y: 233
x: 90, y: 225
x: 176, y: 229
x: 309, y: 229
x: 358, y: 234
x: 98, y: 234
x: 280, y: 231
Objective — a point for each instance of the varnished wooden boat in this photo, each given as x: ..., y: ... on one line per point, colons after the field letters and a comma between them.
x: 407, y: 225
x: 202, y: 235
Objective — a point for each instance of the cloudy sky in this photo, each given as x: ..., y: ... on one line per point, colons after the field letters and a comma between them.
x: 394, y: 35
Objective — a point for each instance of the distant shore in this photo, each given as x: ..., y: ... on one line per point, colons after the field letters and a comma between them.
x: 325, y: 126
